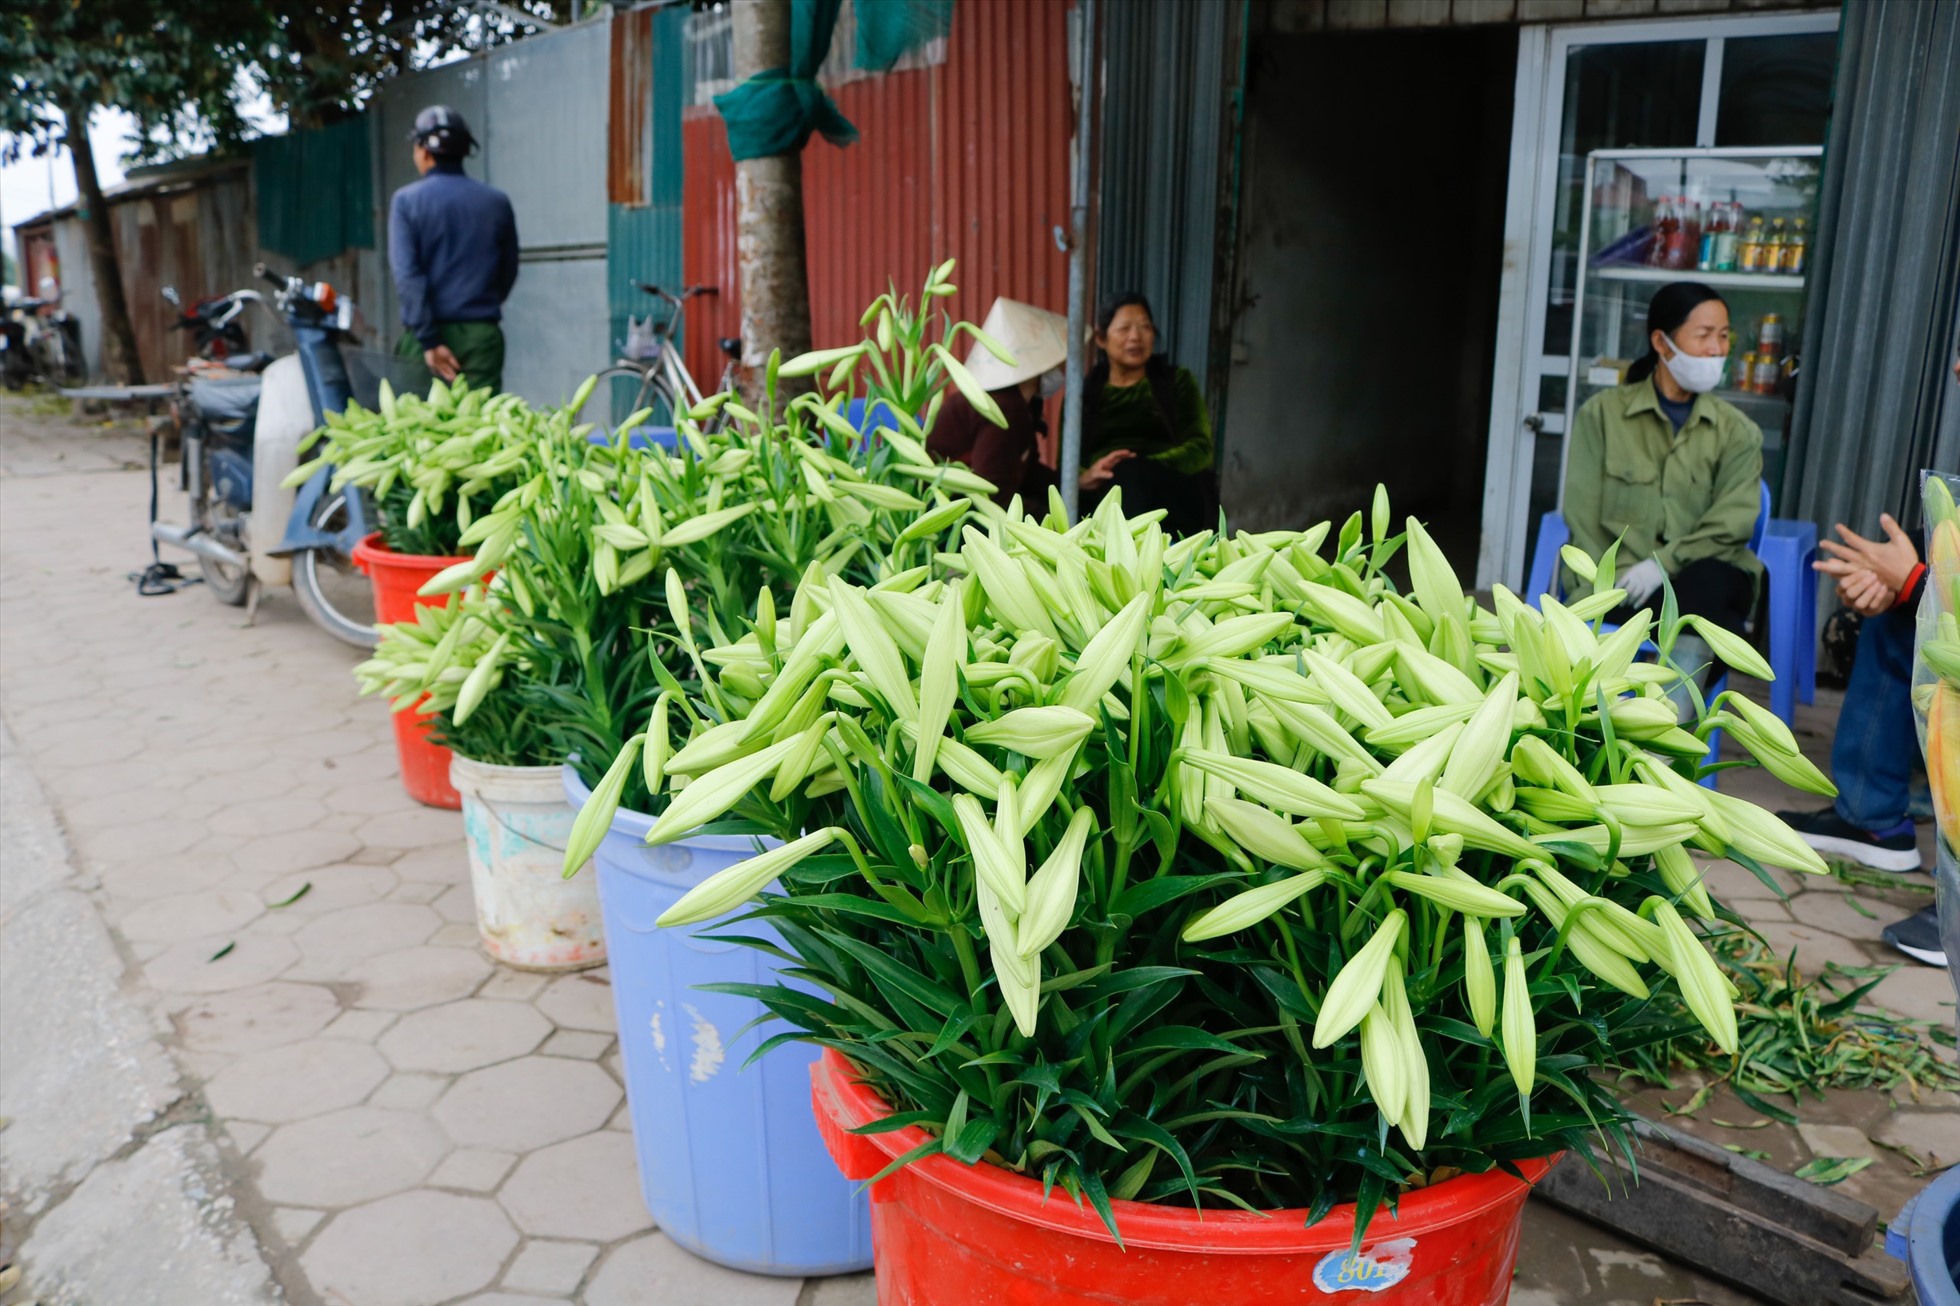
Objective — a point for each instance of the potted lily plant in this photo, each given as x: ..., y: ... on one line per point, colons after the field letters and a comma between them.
x: 591, y: 637
x: 536, y: 655
x: 432, y: 466
x: 1189, y: 921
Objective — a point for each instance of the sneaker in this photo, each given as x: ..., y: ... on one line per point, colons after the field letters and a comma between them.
x: 1895, y: 849
x: 1918, y: 936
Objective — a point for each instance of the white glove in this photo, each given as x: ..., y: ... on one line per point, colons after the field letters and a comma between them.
x: 1641, y: 580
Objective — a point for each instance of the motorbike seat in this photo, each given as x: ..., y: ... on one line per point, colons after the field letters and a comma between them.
x: 226, y: 400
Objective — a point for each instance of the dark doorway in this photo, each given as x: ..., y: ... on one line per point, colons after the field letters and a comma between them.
x: 1367, y: 277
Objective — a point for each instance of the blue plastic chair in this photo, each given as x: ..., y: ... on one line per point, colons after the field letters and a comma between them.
x: 1554, y: 534
x: 1786, y: 548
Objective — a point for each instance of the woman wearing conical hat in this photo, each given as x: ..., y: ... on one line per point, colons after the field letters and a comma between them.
x: 1008, y: 456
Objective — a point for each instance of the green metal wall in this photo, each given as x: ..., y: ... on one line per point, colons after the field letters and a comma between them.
x: 315, y: 191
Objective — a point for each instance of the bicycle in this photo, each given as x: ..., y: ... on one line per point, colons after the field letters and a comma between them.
x: 661, y: 379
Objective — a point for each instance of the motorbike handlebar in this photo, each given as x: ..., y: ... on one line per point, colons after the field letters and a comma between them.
x: 275, y: 278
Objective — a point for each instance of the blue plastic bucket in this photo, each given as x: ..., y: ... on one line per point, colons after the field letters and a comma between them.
x: 731, y: 1164
x: 1926, y: 1236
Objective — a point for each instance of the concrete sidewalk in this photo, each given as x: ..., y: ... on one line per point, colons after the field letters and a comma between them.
x: 341, y: 1100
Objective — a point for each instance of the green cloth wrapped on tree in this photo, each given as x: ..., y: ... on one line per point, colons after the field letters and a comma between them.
x: 775, y: 111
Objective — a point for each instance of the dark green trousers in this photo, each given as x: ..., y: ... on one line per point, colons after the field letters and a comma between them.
x: 478, y: 346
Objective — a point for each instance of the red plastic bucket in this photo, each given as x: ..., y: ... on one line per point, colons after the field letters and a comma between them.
x: 397, y: 577
x: 944, y: 1232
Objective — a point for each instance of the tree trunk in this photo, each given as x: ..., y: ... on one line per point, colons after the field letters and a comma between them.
x: 119, y: 356
x: 775, y: 278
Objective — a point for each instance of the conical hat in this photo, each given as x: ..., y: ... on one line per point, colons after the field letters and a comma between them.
x: 1036, y: 338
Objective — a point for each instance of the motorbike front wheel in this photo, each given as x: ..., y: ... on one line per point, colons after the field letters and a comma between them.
x: 331, y: 589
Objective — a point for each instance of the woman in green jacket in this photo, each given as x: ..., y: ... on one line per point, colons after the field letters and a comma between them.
x: 1670, y: 471
x: 1144, y: 424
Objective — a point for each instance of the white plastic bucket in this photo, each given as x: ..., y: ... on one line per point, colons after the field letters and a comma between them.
x: 516, y: 823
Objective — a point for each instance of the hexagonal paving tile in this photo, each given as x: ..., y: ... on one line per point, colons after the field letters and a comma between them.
x: 520, y: 1106
x: 439, y: 864
x: 126, y: 807
x: 240, y: 786
x: 189, y: 915
x: 343, y: 884
x: 367, y: 797
x: 422, y: 827
x: 588, y: 1187
x: 409, y: 1250
x: 332, y: 944
x: 297, y: 1081
x: 279, y: 854
x: 418, y: 977
x: 194, y: 966
x: 260, y: 816
x: 348, y: 1156
x: 581, y: 1001
x: 196, y: 871
x: 553, y: 1268
x: 264, y: 1016
x: 135, y: 843
x: 652, y: 1269
x: 460, y: 1036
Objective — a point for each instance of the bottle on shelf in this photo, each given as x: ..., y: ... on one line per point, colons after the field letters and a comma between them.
x: 1774, y: 246
x: 1743, y: 378
x: 1769, y: 354
x: 1707, y: 255
x: 1749, y: 250
x: 1725, y: 237
x: 1666, y: 223
x: 1796, y: 253
x: 1686, y: 236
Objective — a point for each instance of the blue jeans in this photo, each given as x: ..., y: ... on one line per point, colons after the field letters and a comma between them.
x: 1876, y: 747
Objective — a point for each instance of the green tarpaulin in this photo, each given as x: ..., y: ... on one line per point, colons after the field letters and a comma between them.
x: 775, y: 111
x: 888, y: 30
x: 315, y: 191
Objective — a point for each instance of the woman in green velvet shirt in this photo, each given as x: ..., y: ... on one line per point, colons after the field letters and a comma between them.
x: 1144, y: 424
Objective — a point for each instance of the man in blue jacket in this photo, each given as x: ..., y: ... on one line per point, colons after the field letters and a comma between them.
x: 452, y: 245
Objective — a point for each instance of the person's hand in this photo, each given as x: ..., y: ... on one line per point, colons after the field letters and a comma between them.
x: 442, y: 362
x: 1102, y: 471
x: 1641, y: 580
x: 1865, y: 594
x: 1890, y: 560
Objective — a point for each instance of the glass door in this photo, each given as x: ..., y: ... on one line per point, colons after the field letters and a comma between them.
x: 1649, y: 85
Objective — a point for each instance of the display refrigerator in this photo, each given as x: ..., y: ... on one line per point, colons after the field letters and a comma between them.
x: 1740, y: 220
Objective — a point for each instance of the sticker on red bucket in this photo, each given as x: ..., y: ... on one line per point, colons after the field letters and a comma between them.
x: 1375, y: 1269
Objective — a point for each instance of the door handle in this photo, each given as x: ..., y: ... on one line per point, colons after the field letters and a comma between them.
x: 1535, y: 423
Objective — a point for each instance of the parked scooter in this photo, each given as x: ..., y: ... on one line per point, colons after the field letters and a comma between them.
x: 39, y: 341
x: 241, y: 437
x: 217, y: 332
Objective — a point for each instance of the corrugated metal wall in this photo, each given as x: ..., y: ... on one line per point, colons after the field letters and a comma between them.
x: 967, y: 158
x: 1163, y: 97
x: 643, y: 241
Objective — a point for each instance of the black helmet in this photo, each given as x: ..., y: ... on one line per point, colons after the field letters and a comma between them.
x: 441, y: 131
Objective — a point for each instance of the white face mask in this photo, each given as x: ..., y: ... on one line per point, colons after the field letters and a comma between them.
x: 1051, y: 382
x: 1693, y: 372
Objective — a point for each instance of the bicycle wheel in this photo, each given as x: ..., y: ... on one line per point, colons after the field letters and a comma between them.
x: 331, y: 589
x: 649, y: 391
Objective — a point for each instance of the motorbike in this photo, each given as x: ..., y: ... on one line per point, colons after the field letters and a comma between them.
x: 217, y: 333
x: 40, y: 342
x: 241, y: 434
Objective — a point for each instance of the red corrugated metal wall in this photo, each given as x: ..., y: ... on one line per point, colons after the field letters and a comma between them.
x: 965, y: 159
